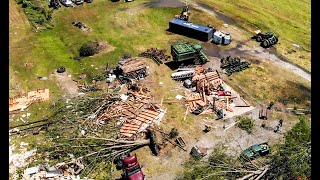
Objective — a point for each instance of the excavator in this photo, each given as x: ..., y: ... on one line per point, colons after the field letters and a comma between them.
x: 184, y: 15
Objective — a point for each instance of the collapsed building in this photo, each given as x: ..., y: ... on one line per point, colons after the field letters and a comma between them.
x: 130, y: 68
x: 211, y: 94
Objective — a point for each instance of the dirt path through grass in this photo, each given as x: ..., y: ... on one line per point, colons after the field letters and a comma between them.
x: 256, y: 51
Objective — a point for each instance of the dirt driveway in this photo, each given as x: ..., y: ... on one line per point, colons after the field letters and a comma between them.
x: 66, y: 83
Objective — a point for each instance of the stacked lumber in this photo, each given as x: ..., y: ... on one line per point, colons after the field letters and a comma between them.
x: 208, y: 76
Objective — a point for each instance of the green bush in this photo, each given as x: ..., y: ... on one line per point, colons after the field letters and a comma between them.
x: 36, y: 13
x: 87, y: 50
x: 245, y: 123
x: 173, y: 133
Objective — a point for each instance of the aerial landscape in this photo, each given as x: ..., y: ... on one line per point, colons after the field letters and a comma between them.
x: 160, y: 89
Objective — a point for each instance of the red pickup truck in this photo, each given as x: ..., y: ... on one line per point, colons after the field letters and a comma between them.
x: 131, y: 168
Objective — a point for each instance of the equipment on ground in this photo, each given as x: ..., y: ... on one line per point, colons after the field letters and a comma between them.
x: 221, y: 37
x: 54, y: 4
x: 78, y: 2
x: 131, y: 168
x: 131, y: 68
x: 61, y: 69
x: 263, y: 114
x: 185, y: 51
x: 267, y: 39
x: 233, y: 64
x: 255, y: 151
x: 197, y: 152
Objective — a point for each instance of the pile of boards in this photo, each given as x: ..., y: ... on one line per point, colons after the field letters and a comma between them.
x: 22, y: 102
x: 135, y: 112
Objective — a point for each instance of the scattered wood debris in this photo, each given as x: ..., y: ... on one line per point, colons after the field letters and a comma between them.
x: 22, y: 102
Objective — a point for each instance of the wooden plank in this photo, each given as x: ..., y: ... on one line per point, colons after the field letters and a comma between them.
x: 201, y: 103
x: 136, y: 122
x: 127, y: 131
x: 142, y: 119
x: 126, y: 134
x: 145, y: 117
x: 151, y: 112
x: 149, y: 115
x: 129, y: 128
x: 130, y: 125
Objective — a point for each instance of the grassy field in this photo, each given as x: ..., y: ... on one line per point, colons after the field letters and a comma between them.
x: 289, y: 19
x: 132, y: 28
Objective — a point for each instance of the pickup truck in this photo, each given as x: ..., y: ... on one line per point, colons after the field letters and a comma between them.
x: 255, y: 151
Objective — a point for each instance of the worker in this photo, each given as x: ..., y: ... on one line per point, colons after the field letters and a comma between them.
x: 277, y: 128
x: 280, y: 122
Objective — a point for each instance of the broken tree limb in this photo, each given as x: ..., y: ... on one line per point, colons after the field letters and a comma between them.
x: 249, y: 175
x: 264, y: 172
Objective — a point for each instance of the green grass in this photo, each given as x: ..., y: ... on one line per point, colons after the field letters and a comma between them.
x: 288, y: 19
x: 131, y: 29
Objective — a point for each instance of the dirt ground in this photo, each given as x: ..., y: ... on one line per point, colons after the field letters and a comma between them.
x: 66, y: 83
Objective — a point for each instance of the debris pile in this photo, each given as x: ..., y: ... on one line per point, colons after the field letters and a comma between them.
x: 130, y: 68
x: 81, y: 25
x: 69, y: 170
x: 22, y: 102
x: 185, y: 72
x: 135, y: 112
x: 155, y: 54
x: 211, y: 93
x: 233, y: 64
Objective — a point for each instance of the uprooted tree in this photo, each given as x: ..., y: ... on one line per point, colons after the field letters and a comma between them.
x: 220, y: 165
x: 293, y: 159
x: 76, y: 136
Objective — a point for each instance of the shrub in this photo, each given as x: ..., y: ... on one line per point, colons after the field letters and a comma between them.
x: 173, y: 133
x: 87, y: 50
x: 245, y: 123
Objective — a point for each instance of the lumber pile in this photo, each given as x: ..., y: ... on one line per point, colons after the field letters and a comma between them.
x: 32, y: 97
x: 135, y: 113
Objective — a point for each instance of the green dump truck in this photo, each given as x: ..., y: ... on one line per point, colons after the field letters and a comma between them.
x: 185, y: 51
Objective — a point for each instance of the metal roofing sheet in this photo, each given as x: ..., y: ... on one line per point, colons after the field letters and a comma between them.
x: 191, y: 25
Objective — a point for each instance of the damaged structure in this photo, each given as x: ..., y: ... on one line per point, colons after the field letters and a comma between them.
x: 135, y: 112
x: 22, y: 102
x: 130, y: 68
x: 211, y: 94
